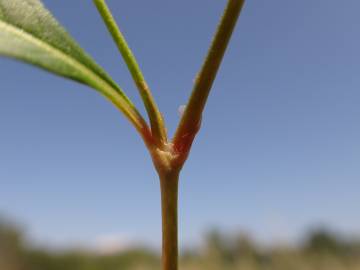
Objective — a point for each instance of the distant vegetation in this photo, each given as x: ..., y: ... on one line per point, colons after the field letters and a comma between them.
x: 321, y: 250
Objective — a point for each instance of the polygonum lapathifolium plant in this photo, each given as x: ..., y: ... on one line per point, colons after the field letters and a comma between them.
x: 29, y: 33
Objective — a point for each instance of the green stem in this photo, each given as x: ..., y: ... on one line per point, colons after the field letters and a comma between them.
x: 156, y: 119
x: 190, y: 122
x: 169, y: 206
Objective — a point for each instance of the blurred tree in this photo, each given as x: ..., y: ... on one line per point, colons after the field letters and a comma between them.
x: 244, y: 248
x: 323, y: 241
x: 216, y: 247
x: 11, y: 247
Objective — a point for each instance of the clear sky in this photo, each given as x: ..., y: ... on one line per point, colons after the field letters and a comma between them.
x: 279, y: 149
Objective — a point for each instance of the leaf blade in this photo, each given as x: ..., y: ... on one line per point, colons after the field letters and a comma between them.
x: 33, y: 18
x: 28, y: 32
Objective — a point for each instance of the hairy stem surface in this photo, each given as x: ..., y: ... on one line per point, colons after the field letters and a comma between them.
x: 169, y: 206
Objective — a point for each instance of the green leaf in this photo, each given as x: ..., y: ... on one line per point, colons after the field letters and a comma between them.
x: 28, y: 32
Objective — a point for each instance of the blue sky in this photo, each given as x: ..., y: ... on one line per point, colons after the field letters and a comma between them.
x: 279, y: 149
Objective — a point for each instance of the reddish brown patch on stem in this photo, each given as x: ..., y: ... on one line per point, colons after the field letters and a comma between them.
x: 147, y: 136
x: 182, y: 144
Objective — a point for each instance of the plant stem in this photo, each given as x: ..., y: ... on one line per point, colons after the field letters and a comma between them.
x: 190, y: 121
x: 156, y: 119
x: 169, y: 205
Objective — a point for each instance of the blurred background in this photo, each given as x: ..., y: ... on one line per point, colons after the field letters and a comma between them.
x: 273, y: 178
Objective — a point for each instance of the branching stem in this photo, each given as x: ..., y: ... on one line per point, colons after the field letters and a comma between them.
x: 169, y: 157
